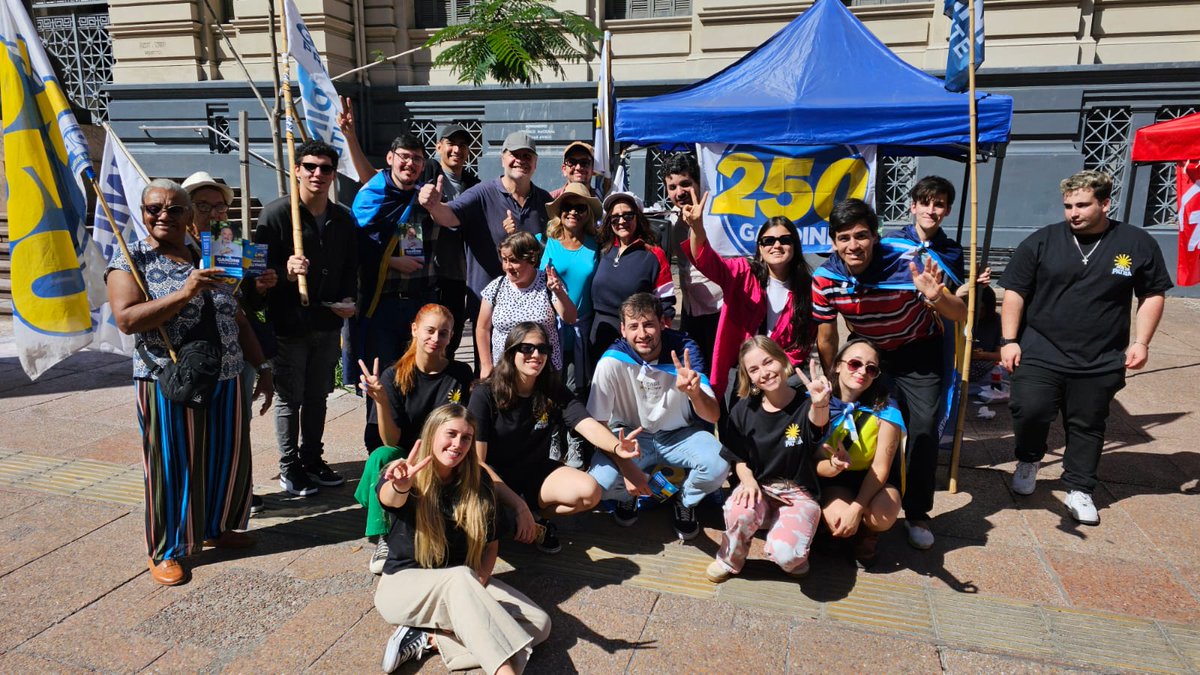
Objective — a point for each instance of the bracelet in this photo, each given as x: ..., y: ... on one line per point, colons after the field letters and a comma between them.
x: 1139, y: 342
x: 821, y: 407
x: 935, y: 299
x: 397, y: 491
x: 615, y: 447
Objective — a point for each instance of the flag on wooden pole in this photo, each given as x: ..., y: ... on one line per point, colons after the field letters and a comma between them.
x: 959, y: 54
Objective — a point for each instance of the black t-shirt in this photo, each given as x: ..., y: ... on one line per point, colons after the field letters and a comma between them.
x: 402, y: 537
x: 452, y: 385
x: 1077, y: 316
x: 773, y: 444
x: 514, y: 437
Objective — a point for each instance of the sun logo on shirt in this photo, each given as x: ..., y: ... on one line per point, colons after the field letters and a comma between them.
x: 454, y: 395
x: 543, y: 421
x: 1123, y: 265
x: 791, y: 435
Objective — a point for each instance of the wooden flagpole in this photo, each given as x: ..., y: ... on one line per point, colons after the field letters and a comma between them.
x: 969, y: 339
x: 293, y: 186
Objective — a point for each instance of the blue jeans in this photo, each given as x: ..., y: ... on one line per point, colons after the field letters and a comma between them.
x: 690, y: 448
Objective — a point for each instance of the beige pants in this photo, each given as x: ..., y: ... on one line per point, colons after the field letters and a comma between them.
x: 477, y: 626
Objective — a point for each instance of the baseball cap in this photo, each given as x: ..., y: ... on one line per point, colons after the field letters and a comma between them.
x: 623, y: 196
x: 581, y: 146
x: 448, y: 130
x: 519, y: 140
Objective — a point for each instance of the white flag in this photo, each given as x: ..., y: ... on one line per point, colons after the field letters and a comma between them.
x: 122, y: 184
x: 321, y: 103
x: 601, y: 145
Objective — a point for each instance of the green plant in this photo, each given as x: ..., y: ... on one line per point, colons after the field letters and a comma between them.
x: 511, y: 41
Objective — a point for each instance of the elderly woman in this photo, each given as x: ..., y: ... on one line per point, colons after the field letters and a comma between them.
x: 572, y: 251
x: 197, y: 459
x: 524, y: 293
x: 630, y: 262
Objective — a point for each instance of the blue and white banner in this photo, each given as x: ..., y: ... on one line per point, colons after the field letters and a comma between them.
x: 749, y: 184
x: 959, y: 54
x: 122, y: 184
x: 321, y: 103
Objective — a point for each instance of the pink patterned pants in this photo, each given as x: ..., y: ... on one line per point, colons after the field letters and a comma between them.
x: 790, y: 526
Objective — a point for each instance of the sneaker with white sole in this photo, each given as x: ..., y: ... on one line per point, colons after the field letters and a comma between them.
x: 685, y: 523
x: 548, y: 541
x: 321, y: 473
x: 919, y: 536
x: 1024, y: 479
x: 296, y: 482
x: 405, y: 645
x: 380, y: 556
x: 717, y: 572
x: 626, y: 513
x: 1082, y: 507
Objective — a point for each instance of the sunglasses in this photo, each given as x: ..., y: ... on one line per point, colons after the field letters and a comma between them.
x: 622, y: 217
x: 210, y: 208
x: 581, y: 209
x: 870, y: 369
x: 768, y: 241
x: 323, y: 169
x: 172, y: 211
x: 528, y: 348
x: 577, y: 161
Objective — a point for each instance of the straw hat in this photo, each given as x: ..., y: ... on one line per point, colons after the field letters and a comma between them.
x: 579, y: 192
x: 202, y: 179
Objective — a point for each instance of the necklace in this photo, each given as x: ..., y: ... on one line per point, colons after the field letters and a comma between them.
x: 1087, y: 255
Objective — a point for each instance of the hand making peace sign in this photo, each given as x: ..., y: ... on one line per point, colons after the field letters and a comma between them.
x: 369, y: 382
x: 554, y: 283
x: 627, y: 446
x: 402, y: 471
x: 687, y: 380
x: 693, y: 214
x: 819, y: 388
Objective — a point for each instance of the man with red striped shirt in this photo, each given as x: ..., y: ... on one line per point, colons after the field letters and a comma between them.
x: 900, y: 308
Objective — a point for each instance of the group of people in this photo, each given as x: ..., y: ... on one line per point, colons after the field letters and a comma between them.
x: 582, y: 388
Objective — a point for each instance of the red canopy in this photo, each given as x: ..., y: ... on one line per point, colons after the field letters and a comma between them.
x: 1176, y: 140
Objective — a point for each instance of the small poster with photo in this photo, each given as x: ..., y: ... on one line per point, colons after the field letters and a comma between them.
x: 224, y: 254
x: 256, y: 255
x: 412, y: 243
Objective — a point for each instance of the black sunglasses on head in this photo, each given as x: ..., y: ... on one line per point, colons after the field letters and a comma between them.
x: 528, y: 348
x: 172, y: 211
x: 767, y: 241
x: 313, y: 167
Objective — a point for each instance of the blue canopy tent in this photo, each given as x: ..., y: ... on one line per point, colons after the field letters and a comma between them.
x: 823, y: 79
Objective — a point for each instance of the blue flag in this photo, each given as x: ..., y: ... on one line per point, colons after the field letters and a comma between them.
x: 959, y: 54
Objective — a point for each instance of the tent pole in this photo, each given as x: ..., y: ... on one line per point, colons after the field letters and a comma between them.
x: 962, y: 200
x: 968, y: 340
x: 992, y: 201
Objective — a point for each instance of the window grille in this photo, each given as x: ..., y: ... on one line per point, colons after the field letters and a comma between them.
x: 894, y: 181
x: 442, y: 13
x: 1162, y: 206
x: 656, y: 185
x: 426, y: 131
x: 77, y: 41
x: 1106, y: 133
x: 646, y: 9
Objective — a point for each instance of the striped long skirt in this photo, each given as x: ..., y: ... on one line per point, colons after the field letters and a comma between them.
x: 197, y: 468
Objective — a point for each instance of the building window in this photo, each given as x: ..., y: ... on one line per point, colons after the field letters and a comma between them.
x: 894, y: 181
x: 1106, y: 146
x: 76, y: 38
x: 426, y: 131
x: 1162, y: 204
x: 646, y: 9
x: 442, y: 13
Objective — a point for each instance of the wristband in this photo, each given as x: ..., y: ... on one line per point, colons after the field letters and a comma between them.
x: 397, y: 491
x: 1006, y: 341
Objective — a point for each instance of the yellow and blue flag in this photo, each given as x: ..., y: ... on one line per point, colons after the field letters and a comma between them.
x: 56, y: 268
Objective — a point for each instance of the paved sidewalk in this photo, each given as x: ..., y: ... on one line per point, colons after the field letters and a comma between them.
x: 1012, y: 585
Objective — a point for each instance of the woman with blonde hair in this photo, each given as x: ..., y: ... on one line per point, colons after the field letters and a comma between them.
x: 423, y: 378
x: 437, y: 583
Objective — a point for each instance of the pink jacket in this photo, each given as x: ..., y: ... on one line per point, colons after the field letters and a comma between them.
x: 744, y: 311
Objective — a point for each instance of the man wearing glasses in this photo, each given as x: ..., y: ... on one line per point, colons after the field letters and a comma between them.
x: 395, y: 253
x: 309, y: 336
x: 578, y: 160
x: 492, y: 210
x: 886, y: 299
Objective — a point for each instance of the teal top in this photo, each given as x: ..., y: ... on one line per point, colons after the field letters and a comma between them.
x: 576, y: 269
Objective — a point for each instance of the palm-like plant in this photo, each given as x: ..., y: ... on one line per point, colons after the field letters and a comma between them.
x: 511, y: 41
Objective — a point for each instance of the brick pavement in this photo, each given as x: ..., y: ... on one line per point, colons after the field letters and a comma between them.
x: 1011, y: 585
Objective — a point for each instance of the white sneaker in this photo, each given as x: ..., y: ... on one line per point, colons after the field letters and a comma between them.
x: 1082, y: 508
x: 380, y: 556
x: 919, y: 537
x: 717, y: 572
x: 1025, y: 477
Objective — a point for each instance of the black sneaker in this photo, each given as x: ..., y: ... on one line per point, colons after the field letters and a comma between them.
x: 322, y: 474
x: 686, y: 526
x: 626, y: 513
x: 405, y: 645
x: 256, y: 504
x: 297, y: 482
x: 548, y: 541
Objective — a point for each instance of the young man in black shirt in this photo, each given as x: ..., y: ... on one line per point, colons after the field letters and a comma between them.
x: 1065, y: 334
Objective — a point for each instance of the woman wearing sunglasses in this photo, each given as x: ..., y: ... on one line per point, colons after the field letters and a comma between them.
x: 521, y: 409
x: 859, y: 495
x: 630, y: 262
x: 769, y: 437
x: 769, y: 292
x: 572, y: 251
x: 524, y: 293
